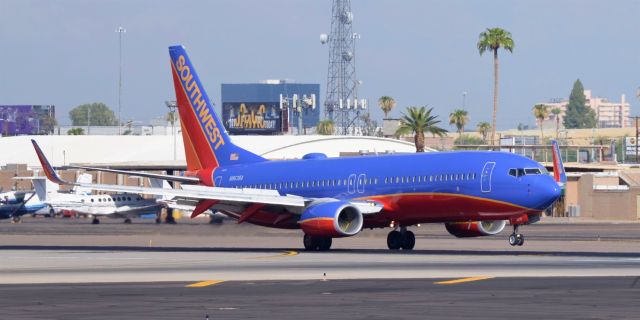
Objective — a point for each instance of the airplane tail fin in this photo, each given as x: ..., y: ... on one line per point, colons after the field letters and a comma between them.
x: 44, y: 188
x: 83, y: 178
x: 206, y: 142
x: 51, y: 174
x: 559, y: 175
x: 163, y: 184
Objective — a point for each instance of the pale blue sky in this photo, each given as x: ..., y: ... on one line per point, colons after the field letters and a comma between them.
x: 419, y: 52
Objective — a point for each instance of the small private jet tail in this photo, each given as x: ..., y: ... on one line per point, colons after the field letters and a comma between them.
x: 207, y: 144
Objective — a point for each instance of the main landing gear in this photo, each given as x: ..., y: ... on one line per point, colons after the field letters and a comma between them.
x: 127, y: 221
x: 516, y: 239
x: 404, y: 239
x: 95, y: 221
x: 315, y: 243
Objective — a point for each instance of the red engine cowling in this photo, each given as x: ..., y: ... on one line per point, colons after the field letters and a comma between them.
x: 475, y: 228
x: 331, y: 219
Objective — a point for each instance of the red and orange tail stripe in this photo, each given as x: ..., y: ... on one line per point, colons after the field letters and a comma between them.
x: 46, y: 166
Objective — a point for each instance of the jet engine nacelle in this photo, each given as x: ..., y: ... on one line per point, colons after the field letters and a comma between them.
x: 475, y: 228
x: 331, y: 219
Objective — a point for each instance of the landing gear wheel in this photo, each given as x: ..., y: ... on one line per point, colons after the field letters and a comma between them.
x: 310, y: 243
x: 324, y: 243
x: 15, y: 219
x: 95, y: 221
x: 52, y: 213
x: 127, y: 221
x: 513, y: 240
x: 516, y: 239
x: 408, y: 240
x: 394, y: 240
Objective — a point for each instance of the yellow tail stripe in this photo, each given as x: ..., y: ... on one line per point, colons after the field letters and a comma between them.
x: 204, y: 283
x: 470, y: 279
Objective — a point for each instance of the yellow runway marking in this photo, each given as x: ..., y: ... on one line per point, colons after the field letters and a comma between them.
x: 284, y: 254
x: 204, y: 283
x: 470, y: 279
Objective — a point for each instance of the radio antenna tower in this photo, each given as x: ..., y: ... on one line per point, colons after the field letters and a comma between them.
x: 341, y: 103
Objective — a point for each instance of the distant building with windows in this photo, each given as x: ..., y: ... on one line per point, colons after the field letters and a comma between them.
x: 609, y: 114
x: 19, y: 120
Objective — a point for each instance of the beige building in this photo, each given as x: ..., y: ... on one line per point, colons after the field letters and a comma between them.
x: 609, y: 114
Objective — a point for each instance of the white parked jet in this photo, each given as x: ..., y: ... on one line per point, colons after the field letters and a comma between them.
x: 121, y: 205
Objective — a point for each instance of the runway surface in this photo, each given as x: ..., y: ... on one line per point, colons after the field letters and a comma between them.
x: 69, y: 269
x: 498, y: 298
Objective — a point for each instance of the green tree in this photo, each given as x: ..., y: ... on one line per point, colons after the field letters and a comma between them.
x: 541, y: 112
x: 556, y: 114
x: 386, y: 103
x: 325, y: 127
x: 99, y: 113
x: 483, y: 129
x: 75, y: 132
x: 578, y: 115
x: 492, y: 40
x: 418, y: 121
x: 459, y: 118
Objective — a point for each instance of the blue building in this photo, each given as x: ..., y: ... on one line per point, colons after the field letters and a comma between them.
x: 16, y: 120
x: 268, y: 108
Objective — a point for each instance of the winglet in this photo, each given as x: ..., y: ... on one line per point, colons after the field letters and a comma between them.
x: 559, y: 175
x: 46, y: 166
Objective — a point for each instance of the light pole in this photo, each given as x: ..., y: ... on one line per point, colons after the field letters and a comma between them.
x: 464, y: 99
x: 120, y: 31
x: 172, y: 105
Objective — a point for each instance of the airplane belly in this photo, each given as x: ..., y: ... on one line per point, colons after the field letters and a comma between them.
x: 440, y: 207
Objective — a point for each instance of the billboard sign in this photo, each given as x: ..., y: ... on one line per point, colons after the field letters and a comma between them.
x: 253, y: 117
x: 18, y: 120
x: 630, y: 145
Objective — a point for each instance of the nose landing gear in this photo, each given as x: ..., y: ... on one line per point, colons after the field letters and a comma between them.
x: 516, y: 239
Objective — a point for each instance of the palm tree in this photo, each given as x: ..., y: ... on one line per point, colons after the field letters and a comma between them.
x: 417, y: 121
x: 483, y: 129
x: 386, y: 103
x: 325, y: 127
x: 494, y: 39
x: 556, y: 114
x: 459, y: 118
x: 541, y: 111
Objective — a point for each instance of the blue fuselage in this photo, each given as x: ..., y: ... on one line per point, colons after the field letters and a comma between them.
x: 447, y: 186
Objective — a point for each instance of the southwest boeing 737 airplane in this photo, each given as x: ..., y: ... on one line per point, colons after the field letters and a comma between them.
x: 474, y: 193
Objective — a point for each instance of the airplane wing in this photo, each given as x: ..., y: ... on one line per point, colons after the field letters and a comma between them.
x: 181, y: 179
x: 208, y: 196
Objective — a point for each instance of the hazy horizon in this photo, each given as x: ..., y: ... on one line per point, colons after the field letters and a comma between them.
x: 419, y: 52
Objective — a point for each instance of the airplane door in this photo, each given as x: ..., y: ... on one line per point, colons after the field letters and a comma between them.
x: 485, y: 177
x: 351, y: 187
x: 361, y: 182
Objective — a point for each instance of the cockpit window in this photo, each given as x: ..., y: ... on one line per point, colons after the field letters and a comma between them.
x: 532, y: 171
